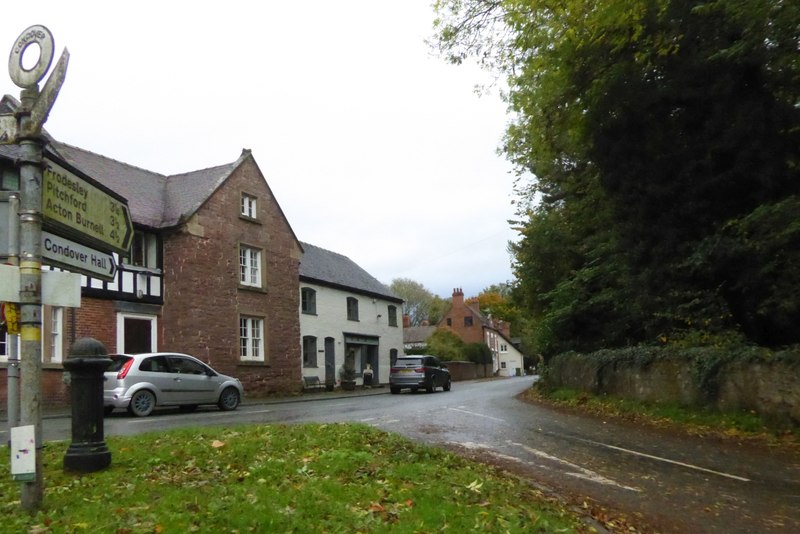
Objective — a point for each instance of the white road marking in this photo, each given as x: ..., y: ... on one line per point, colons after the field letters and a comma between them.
x: 477, y: 414
x: 667, y: 460
x: 368, y: 419
x: 580, y: 472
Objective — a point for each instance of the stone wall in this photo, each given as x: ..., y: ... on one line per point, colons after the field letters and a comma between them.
x: 769, y: 386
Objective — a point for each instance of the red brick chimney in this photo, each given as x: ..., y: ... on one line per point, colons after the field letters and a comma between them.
x: 406, y: 320
x: 458, y: 298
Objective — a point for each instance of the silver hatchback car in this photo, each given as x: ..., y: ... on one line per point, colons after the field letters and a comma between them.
x: 140, y: 382
x: 414, y: 372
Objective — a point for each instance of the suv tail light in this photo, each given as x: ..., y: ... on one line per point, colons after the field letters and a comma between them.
x: 419, y: 370
x: 125, y: 368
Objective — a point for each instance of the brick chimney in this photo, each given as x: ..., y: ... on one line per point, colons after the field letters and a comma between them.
x: 458, y: 298
x: 406, y: 320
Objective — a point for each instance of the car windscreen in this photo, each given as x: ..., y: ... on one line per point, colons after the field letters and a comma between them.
x: 408, y: 362
x: 117, y: 362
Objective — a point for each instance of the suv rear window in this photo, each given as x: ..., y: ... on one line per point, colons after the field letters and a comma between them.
x: 408, y: 362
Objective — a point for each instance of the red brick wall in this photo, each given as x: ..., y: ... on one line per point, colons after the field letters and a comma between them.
x: 95, y: 318
x: 203, y: 300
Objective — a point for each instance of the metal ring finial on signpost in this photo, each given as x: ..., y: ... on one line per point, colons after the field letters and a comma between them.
x: 21, y: 76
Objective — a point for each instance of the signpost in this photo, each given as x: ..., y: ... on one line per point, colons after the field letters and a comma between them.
x: 76, y: 257
x: 75, y: 206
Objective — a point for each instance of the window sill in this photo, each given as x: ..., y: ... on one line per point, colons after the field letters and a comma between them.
x: 253, y: 289
x: 249, y: 219
x: 252, y: 363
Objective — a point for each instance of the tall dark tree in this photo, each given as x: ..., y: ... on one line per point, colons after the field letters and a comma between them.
x: 649, y: 128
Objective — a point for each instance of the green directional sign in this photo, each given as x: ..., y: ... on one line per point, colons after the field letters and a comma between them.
x: 76, y: 207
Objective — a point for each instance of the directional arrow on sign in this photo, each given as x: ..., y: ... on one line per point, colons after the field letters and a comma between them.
x: 79, y: 208
x: 76, y: 257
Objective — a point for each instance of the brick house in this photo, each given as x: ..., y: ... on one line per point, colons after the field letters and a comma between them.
x: 346, y: 316
x: 213, y: 272
x: 472, y: 326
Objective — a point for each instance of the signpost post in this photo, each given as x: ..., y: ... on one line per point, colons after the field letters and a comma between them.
x: 27, y: 136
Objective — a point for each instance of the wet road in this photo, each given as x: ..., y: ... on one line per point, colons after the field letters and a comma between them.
x: 673, y: 483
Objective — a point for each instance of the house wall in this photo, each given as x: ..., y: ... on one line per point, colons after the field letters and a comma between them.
x: 331, y: 321
x: 203, y: 299
x: 457, y: 312
x: 512, y: 358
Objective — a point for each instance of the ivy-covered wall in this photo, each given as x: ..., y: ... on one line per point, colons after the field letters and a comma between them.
x: 747, y: 378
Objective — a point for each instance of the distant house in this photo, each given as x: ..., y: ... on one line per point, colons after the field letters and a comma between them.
x: 346, y: 317
x: 213, y: 272
x: 468, y: 323
x: 416, y: 337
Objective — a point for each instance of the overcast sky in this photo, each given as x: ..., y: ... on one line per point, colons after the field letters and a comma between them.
x: 374, y: 148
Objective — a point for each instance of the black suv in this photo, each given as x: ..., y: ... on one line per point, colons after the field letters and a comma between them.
x: 414, y: 372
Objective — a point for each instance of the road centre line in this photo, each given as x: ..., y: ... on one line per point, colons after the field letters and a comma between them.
x: 666, y: 460
x: 477, y: 414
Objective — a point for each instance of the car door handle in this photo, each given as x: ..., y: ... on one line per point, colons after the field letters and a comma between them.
x: 177, y: 379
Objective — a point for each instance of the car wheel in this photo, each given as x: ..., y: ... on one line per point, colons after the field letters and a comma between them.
x: 142, y: 403
x: 394, y: 391
x: 447, y: 385
x: 430, y: 388
x: 187, y: 408
x: 229, y: 399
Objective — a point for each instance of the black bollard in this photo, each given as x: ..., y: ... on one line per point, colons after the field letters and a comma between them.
x: 88, y: 359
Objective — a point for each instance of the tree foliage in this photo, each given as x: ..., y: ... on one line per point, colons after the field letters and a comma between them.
x: 496, y: 301
x: 663, y: 139
x: 420, y: 304
x: 446, y: 345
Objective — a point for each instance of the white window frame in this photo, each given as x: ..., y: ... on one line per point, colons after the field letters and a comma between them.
x: 249, y: 266
x: 251, y: 339
x: 56, y: 334
x: 6, y: 344
x: 249, y: 206
x: 121, y: 329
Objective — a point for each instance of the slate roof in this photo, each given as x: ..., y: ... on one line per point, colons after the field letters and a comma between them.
x: 155, y: 200
x: 335, y: 270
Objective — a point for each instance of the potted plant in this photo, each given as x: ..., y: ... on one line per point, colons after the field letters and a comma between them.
x: 347, y: 378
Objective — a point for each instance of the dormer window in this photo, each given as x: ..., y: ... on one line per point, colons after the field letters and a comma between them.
x: 249, y: 206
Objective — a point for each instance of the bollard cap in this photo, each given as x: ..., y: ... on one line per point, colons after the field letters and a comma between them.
x: 88, y: 347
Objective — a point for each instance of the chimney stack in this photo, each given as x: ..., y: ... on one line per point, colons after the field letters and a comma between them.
x: 458, y: 297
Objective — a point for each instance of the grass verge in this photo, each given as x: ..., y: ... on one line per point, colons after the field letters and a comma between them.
x: 280, y: 478
x: 698, y: 421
